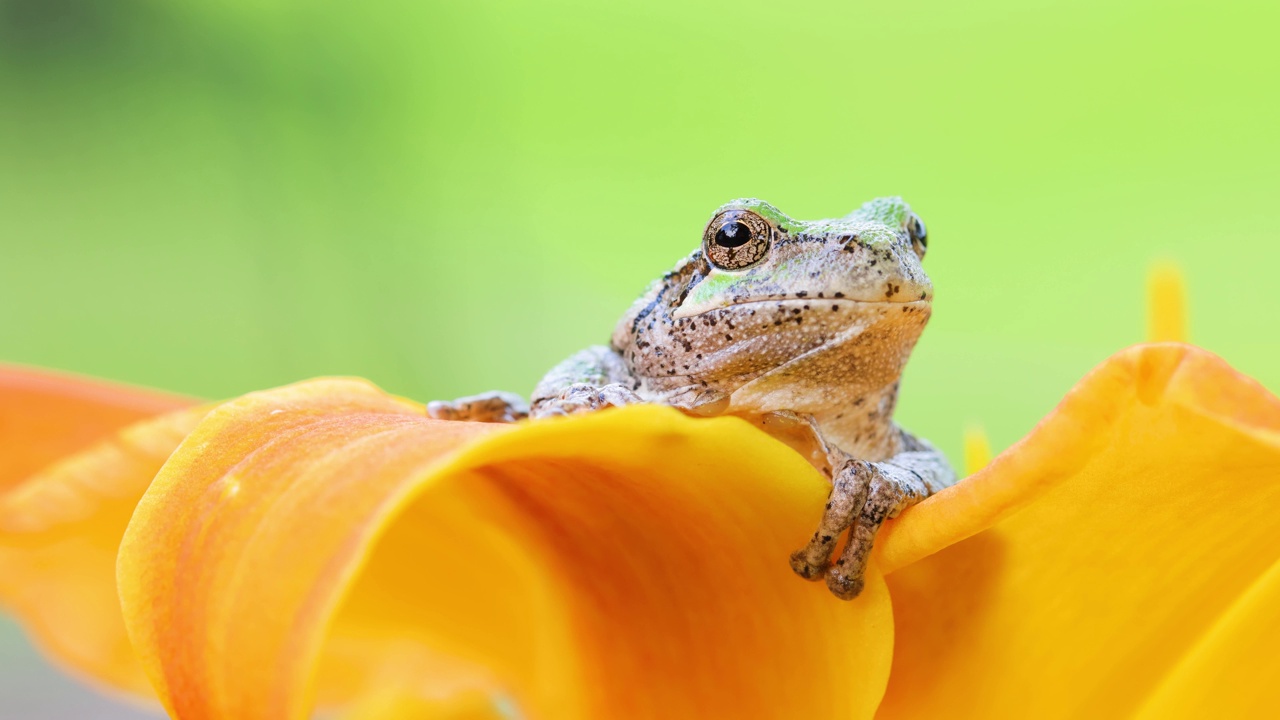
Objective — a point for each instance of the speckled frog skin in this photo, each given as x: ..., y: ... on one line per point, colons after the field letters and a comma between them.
x: 802, y: 327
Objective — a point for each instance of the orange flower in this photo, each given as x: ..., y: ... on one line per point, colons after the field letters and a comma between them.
x: 325, y: 543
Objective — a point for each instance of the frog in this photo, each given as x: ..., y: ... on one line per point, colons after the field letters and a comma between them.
x: 802, y: 328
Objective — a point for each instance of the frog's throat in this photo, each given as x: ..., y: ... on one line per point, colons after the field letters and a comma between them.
x: 856, y: 415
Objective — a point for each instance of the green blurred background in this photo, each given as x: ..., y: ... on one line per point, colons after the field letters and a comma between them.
x: 449, y: 197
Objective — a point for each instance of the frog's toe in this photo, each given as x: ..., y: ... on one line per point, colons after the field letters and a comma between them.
x: 616, y: 395
x: 587, y: 398
x: 441, y: 410
x: 844, y: 586
x: 581, y: 397
x: 805, y: 567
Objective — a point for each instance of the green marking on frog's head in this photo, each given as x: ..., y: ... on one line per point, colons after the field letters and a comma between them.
x: 884, y: 219
x: 775, y: 216
x: 889, y: 211
x: 756, y: 252
x: 716, y: 284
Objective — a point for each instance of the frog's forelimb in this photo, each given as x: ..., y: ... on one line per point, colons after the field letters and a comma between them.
x: 592, y: 379
x: 864, y: 495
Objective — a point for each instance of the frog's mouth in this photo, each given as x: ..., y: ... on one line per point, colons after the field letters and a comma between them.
x: 800, y: 300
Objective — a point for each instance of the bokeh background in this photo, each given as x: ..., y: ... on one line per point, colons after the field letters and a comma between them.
x: 449, y: 197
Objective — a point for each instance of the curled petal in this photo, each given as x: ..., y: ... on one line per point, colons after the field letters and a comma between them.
x: 324, y: 540
x: 1106, y: 561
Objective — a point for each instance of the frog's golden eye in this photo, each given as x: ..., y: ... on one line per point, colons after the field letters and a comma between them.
x: 735, y: 239
x: 919, y: 235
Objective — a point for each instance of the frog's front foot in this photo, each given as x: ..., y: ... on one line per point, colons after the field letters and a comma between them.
x: 499, y: 407
x: 583, y: 397
x: 862, y: 497
x: 850, y: 482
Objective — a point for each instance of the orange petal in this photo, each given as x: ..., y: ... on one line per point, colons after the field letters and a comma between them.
x: 308, y: 541
x: 45, y: 416
x: 1110, y: 550
x: 59, y: 533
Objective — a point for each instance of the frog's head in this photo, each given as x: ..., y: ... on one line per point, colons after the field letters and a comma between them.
x: 753, y: 252
x: 780, y: 314
x: 774, y: 314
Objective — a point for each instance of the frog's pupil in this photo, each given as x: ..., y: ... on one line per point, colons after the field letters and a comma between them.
x: 733, y: 235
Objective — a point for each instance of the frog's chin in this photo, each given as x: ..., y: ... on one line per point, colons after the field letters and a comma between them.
x: 688, y: 310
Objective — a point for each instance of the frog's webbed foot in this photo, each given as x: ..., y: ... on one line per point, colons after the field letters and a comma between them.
x: 584, y: 397
x: 863, y: 496
x: 493, y: 407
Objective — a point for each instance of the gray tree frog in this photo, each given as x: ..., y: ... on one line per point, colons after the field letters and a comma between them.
x: 802, y: 327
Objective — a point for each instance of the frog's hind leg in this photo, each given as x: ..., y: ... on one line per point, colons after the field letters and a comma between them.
x: 492, y: 407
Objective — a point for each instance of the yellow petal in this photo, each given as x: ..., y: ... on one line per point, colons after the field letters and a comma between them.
x: 406, y: 706
x: 1105, y: 552
x: 60, y: 528
x: 1166, y: 304
x: 305, y: 542
x: 1231, y: 671
x: 977, y: 449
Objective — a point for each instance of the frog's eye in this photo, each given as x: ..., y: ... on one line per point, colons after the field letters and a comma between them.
x: 735, y: 239
x: 919, y: 235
